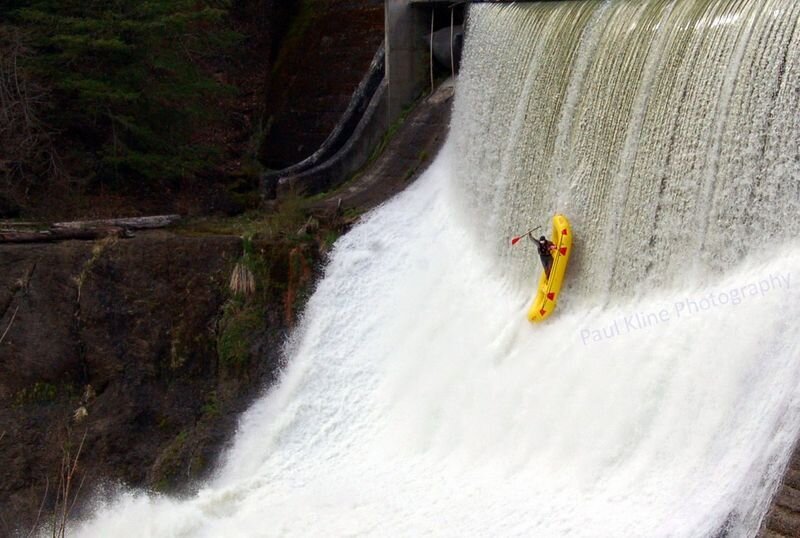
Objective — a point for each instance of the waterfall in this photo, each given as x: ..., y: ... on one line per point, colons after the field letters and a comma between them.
x: 667, y: 130
x: 663, y: 396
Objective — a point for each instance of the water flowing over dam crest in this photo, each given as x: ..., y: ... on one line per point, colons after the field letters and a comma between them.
x: 661, y: 399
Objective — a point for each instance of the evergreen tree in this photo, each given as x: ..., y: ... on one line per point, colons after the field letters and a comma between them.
x: 128, y: 82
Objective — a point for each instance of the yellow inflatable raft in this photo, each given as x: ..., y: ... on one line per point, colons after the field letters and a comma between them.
x: 547, y: 293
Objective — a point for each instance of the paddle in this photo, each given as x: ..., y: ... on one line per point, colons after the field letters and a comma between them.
x: 515, y: 240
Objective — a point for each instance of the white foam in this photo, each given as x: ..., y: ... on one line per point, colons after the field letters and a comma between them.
x: 418, y: 400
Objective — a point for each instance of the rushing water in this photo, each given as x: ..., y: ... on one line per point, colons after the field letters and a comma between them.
x: 662, y: 398
x: 667, y: 130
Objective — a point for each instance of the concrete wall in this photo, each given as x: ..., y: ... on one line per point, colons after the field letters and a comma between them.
x: 349, y: 125
x: 406, y: 54
x: 349, y: 159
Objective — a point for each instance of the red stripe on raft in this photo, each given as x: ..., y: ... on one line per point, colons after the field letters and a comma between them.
x: 542, y: 311
x: 551, y: 295
x: 564, y: 231
x: 563, y: 251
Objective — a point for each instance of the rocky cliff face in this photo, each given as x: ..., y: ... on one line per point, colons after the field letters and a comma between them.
x: 139, y: 345
x: 133, y: 355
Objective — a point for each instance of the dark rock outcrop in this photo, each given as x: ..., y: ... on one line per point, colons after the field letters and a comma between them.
x: 783, y: 518
x: 322, y: 60
x: 8, y: 208
x: 138, y: 344
x: 351, y: 141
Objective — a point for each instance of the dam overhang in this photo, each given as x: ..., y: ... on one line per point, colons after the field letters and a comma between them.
x: 462, y: 2
x: 408, y: 25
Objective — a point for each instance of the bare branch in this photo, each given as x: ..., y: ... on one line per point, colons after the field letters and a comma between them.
x: 10, y: 323
x: 35, y: 526
x: 26, y: 145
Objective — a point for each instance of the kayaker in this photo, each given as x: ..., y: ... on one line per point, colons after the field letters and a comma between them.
x: 546, y: 249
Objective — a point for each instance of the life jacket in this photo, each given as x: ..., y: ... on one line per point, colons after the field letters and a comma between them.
x: 544, y: 248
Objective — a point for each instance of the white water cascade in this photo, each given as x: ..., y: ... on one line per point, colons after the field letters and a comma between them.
x: 663, y: 396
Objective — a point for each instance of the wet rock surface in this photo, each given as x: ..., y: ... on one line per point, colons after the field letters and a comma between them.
x: 783, y: 517
x: 121, y: 340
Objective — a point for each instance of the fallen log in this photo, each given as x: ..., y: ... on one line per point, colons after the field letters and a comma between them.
x: 131, y: 223
x: 48, y: 236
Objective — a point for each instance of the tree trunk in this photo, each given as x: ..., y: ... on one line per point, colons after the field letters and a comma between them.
x: 133, y: 223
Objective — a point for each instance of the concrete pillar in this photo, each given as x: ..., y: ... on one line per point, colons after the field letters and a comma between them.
x: 406, y: 53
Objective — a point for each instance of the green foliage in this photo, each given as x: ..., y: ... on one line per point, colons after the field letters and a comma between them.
x: 169, y: 466
x: 240, y: 320
x: 282, y: 223
x: 127, y: 81
x: 40, y: 393
x: 330, y: 237
x: 211, y: 405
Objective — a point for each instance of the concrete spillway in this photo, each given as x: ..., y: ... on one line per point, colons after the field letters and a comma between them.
x: 662, y: 399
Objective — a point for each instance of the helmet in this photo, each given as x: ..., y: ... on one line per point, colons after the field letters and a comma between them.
x: 542, y: 238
